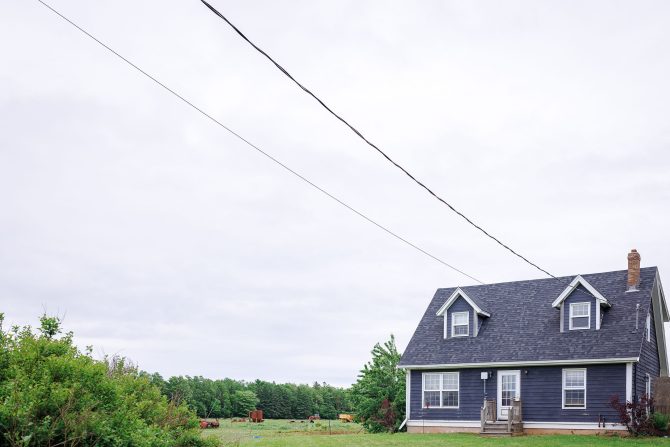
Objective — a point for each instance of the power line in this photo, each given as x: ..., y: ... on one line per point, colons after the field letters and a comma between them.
x: 258, y: 149
x: 371, y: 144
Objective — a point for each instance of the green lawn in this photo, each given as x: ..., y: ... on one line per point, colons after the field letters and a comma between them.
x: 282, y: 433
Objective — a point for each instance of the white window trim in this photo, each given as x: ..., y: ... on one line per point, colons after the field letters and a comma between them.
x: 647, y: 389
x: 564, y: 388
x: 441, y: 390
x: 581, y: 316
x: 453, y: 326
x: 648, y: 324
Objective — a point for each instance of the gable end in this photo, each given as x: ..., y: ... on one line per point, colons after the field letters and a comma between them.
x: 659, y: 316
x: 452, y: 299
x: 576, y: 283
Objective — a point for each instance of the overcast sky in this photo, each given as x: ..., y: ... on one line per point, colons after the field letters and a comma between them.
x: 161, y: 237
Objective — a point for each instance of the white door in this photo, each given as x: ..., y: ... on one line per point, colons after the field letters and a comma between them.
x: 509, y: 388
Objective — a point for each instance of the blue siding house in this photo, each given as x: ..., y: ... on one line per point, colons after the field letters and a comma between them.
x: 543, y: 355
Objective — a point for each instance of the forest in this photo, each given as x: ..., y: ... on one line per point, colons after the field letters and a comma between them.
x: 234, y: 398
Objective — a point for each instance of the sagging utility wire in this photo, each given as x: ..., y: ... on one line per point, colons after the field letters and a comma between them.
x: 253, y: 146
x: 371, y: 144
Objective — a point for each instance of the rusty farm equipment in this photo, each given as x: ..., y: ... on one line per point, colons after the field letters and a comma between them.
x: 204, y: 423
x: 256, y: 416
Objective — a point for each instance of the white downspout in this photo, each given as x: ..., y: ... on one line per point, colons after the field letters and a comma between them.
x: 408, y: 394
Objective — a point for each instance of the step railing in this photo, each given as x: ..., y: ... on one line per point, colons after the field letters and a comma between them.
x: 516, y: 404
x: 488, y: 412
x: 514, y: 415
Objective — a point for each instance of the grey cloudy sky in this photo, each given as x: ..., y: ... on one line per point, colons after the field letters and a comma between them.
x: 162, y: 238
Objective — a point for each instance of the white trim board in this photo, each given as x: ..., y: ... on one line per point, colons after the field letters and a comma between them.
x: 573, y: 425
x: 545, y: 425
x: 408, y: 393
x: 527, y: 363
x: 432, y: 423
x: 571, y: 288
x: 664, y: 304
x: 454, y: 296
x: 660, y: 310
x: 629, y: 382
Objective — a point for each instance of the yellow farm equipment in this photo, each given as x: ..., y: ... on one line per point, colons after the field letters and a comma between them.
x: 345, y: 417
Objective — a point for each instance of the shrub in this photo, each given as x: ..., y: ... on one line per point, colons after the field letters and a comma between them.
x: 51, y: 393
x: 634, y: 415
x: 661, y: 421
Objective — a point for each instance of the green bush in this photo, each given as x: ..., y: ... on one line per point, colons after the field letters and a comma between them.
x: 51, y: 393
x: 661, y: 421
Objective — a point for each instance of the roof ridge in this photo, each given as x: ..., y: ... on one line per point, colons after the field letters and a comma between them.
x: 475, y: 286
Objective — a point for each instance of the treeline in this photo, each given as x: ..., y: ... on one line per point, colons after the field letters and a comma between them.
x: 232, y: 398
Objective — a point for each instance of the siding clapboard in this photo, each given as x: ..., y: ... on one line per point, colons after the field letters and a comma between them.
x: 649, y: 361
x: 541, y: 394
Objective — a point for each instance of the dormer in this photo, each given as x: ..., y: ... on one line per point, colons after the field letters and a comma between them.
x: 581, y: 306
x: 462, y: 315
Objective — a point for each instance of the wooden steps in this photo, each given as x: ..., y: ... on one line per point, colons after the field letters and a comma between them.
x: 501, y: 428
x: 490, y: 426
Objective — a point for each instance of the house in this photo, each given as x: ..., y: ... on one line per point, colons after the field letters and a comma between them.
x: 543, y: 355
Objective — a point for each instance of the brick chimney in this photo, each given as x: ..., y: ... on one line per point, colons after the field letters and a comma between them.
x: 633, y: 270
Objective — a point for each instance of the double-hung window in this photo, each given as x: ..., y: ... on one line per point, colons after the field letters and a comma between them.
x: 440, y: 390
x: 460, y: 324
x: 580, y: 316
x: 574, y: 388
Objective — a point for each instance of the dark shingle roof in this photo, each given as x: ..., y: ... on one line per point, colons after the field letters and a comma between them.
x: 524, y: 327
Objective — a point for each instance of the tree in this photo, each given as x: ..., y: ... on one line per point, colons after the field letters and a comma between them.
x: 379, y: 393
x: 178, y: 388
x: 304, y: 402
x: 243, y: 402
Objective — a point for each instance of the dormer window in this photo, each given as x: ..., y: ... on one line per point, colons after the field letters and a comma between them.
x: 460, y: 324
x: 580, y: 316
x: 577, y: 302
x: 459, y: 312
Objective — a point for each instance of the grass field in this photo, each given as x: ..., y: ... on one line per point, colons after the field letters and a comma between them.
x: 283, y: 433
